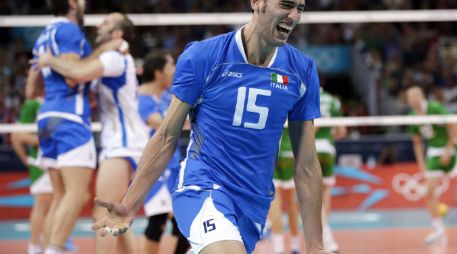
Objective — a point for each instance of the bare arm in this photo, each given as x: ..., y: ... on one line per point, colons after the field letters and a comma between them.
x: 34, y: 79
x: 308, y: 182
x: 419, y: 151
x: 74, y: 69
x: 19, y: 148
x: 156, y: 155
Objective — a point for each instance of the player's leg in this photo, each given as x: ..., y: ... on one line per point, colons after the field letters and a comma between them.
x: 289, y: 197
x: 432, y: 201
x: 111, y: 183
x: 76, y: 182
x: 40, y: 209
x: 327, y: 161
x: 224, y: 247
x: 182, y: 245
x: 274, y: 215
x: 58, y: 191
x: 41, y: 190
x: 153, y: 233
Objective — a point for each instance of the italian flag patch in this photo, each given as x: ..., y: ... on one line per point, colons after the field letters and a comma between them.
x: 276, y: 78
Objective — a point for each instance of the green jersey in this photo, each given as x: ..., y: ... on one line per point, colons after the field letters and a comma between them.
x: 435, y: 135
x: 29, y: 114
x: 330, y: 107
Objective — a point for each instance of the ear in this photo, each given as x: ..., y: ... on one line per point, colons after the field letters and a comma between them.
x: 73, y: 4
x: 255, y: 5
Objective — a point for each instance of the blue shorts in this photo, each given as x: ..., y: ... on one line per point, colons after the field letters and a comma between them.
x: 65, y: 143
x: 208, y: 216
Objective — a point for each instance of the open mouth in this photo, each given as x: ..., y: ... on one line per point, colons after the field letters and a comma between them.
x: 284, y: 29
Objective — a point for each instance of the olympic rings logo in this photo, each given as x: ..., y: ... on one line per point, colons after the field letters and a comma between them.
x: 413, y: 188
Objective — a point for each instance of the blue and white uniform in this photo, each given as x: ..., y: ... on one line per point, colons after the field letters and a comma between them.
x: 239, y: 110
x: 124, y: 133
x: 64, y: 118
x: 158, y: 201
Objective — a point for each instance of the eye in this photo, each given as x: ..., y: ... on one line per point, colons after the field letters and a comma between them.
x: 287, y: 4
x: 301, y: 7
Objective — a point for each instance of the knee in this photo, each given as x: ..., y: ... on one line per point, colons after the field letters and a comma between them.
x: 155, y: 228
x: 79, y: 197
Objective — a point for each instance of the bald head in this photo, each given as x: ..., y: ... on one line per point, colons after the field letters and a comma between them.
x: 415, y: 97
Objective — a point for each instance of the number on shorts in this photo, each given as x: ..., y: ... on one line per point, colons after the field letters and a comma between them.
x: 209, y: 225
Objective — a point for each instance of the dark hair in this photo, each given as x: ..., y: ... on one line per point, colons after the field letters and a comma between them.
x: 153, y: 61
x: 58, y: 7
x: 128, y: 29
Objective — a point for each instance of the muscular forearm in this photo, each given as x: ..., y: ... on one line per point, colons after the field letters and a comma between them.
x: 308, y: 182
x: 155, y: 158
x: 19, y: 148
x: 71, y: 69
x: 156, y: 155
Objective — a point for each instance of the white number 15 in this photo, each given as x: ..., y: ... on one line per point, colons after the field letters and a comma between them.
x: 250, y: 107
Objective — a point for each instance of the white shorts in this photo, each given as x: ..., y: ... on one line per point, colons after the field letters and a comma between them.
x: 158, y: 200
x: 41, y: 185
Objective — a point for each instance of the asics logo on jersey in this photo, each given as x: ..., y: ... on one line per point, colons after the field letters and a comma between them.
x: 233, y: 74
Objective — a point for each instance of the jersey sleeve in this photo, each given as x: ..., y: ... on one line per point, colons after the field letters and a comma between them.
x: 113, y: 63
x: 308, y: 106
x: 68, y: 39
x: 146, y: 107
x: 188, y: 80
x: 29, y: 112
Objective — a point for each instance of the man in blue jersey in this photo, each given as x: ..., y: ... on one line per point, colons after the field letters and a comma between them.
x: 123, y: 135
x: 65, y: 138
x: 239, y: 88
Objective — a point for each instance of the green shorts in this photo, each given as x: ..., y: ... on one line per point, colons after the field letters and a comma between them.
x: 327, y: 162
x: 435, y: 168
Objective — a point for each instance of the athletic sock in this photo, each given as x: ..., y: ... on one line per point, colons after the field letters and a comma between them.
x: 295, y: 243
x: 278, y: 243
x: 437, y: 224
x: 51, y: 249
x: 34, y: 249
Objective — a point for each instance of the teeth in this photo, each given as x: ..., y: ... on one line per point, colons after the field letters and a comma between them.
x: 288, y: 28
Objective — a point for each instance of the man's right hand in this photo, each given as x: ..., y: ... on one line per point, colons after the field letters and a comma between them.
x: 116, y: 222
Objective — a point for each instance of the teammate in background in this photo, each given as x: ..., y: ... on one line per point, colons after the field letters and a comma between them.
x: 26, y: 147
x: 439, y: 158
x: 240, y: 88
x: 285, y: 192
x: 325, y: 146
x: 123, y: 135
x: 154, y: 99
x: 66, y: 142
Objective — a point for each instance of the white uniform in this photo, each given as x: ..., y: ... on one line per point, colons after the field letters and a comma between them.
x: 124, y: 133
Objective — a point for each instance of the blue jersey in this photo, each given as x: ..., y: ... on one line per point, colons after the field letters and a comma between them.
x: 149, y: 105
x: 238, y: 115
x: 63, y: 37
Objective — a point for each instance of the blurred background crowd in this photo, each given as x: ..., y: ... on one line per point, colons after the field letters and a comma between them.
x: 366, y: 65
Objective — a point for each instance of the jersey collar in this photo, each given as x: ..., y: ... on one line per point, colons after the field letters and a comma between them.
x: 239, y: 43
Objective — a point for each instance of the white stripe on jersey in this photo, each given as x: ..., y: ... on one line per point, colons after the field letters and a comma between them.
x: 55, y: 48
x: 79, y: 107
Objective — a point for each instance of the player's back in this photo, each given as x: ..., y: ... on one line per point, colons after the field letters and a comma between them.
x: 118, y: 103
x: 63, y: 37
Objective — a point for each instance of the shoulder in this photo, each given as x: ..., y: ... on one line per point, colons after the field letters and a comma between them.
x: 207, y: 49
x: 298, y: 56
x: 436, y: 107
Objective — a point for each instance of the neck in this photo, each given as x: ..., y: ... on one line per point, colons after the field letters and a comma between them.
x: 72, y: 18
x: 258, y: 50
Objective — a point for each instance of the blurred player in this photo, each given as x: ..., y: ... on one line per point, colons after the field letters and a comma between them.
x: 154, y: 99
x: 65, y: 138
x: 439, y: 158
x: 26, y: 147
x: 240, y: 88
x: 325, y: 146
x: 123, y: 135
x: 285, y: 192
